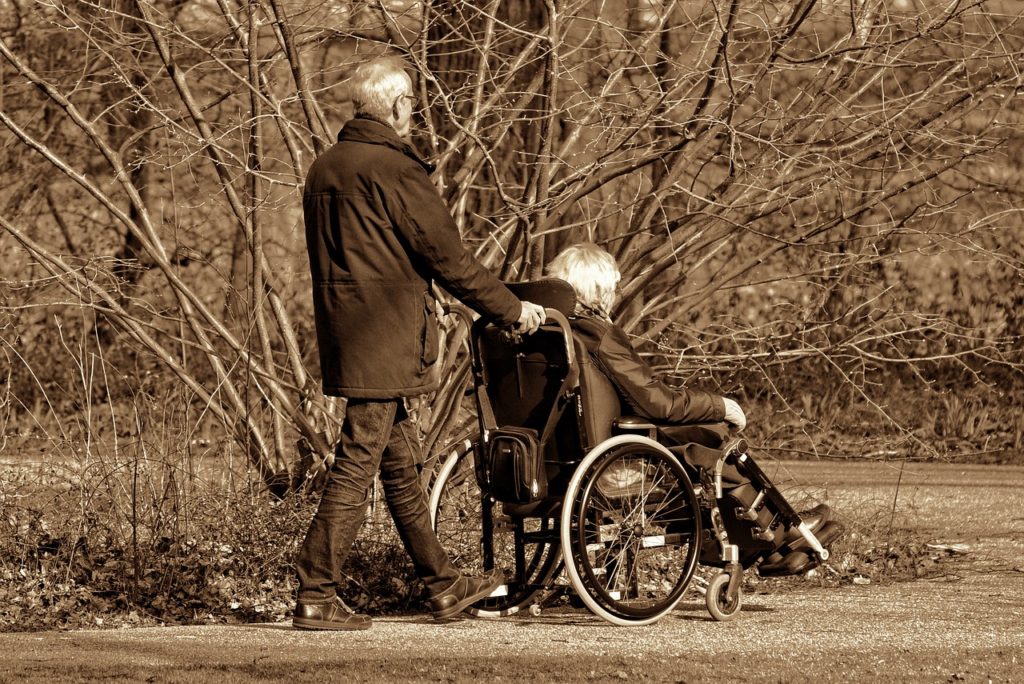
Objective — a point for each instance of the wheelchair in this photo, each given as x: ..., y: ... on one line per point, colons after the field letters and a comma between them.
x: 614, y: 513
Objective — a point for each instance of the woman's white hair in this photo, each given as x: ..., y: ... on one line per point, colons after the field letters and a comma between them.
x: 376, y: 85
x: 592, y: 272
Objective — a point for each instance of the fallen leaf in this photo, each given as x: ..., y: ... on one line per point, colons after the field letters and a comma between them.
x: 952, y: 548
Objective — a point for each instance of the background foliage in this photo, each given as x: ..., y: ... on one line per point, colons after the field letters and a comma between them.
x: 816, y: 206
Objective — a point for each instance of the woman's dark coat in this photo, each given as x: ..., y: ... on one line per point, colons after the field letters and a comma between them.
x: 645, y: 394
x: 377, y: 232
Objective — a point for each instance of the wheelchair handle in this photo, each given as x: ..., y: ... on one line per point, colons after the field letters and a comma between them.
x: 558, y: 318
x: 466, y: 314
x: 459, y: 311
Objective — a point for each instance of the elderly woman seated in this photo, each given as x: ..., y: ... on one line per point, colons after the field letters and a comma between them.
x: 693, y: 423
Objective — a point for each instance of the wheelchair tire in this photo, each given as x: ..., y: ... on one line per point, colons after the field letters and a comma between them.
x: 719, y: 606
x: 456, y: 507
x: 630, y: 530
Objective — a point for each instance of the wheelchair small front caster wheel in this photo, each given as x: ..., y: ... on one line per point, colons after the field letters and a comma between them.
x: 717, y: 599
x: 535, y: 609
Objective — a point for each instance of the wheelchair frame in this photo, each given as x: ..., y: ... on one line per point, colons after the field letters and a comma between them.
x: 629, y: 554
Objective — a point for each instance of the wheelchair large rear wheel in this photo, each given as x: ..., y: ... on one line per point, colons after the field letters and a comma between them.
x: 630, y: 530
x: 526, y: 549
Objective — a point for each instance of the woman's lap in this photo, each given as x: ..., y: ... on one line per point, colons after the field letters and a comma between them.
x: 700, y: 446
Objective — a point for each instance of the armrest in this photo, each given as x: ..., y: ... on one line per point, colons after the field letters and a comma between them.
x: 633, y: 424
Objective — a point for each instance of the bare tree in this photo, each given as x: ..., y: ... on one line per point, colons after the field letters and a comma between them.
x: 770, y: 175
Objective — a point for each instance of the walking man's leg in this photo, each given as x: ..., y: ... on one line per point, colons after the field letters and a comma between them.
x: 450, y: 592
x: 339, y: 516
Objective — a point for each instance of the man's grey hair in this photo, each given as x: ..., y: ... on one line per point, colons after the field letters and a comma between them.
x: 375, y: 86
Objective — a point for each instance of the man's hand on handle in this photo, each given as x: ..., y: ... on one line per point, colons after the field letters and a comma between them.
x: 531, y: 318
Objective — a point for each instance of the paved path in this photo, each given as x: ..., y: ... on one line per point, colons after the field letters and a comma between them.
x: 967, y: 625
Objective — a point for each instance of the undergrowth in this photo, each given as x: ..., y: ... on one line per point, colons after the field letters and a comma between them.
x: 63, y: 567
x: 143, y: 533
x: 967, y: 425
x: 233, y: 561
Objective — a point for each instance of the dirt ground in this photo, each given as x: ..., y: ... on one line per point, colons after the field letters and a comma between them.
x: 966, y: 624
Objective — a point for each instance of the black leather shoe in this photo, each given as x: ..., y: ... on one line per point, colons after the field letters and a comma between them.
x: 464, y: 592
x: 793, y: 563
x: 332, y: 615
x: 813, y: 517
x: 788, y: 560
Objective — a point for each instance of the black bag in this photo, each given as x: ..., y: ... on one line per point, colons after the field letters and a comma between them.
x: 511, y: 467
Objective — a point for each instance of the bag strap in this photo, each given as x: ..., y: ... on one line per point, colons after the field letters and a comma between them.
x: 485, y: 410
x: 569, y: 385
x: 483, y: 401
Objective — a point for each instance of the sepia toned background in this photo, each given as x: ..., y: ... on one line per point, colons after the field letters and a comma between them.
x: 816, y: 205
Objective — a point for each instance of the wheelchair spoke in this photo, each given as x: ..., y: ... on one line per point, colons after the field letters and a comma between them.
x: 638, y: 527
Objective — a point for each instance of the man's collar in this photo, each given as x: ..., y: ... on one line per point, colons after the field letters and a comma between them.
x: 367, y: 129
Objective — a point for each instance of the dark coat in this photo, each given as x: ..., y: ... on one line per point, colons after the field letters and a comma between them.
x: 639, y: 389
x: 377, y: 232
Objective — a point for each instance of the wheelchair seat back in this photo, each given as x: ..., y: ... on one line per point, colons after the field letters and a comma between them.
x: 524, y: 376
x: 546, y: 382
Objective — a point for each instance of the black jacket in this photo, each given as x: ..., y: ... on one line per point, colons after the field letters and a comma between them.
x: 377, y: 232
x: 639, y: 389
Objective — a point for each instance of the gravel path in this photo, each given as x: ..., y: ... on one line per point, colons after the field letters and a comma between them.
x: 967, y: 625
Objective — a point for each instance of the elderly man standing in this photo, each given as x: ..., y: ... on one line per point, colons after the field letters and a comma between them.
x: 377, y: 233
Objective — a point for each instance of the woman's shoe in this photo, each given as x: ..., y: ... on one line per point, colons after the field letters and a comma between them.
x: 828, y: 533
x: 798, y: 557
x: 814, y: 518
x: 793, y: 563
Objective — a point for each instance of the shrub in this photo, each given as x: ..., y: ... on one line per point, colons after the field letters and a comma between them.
x: 74, y: 552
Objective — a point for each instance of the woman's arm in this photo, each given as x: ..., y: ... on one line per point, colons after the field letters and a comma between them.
x: 645, y: 393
